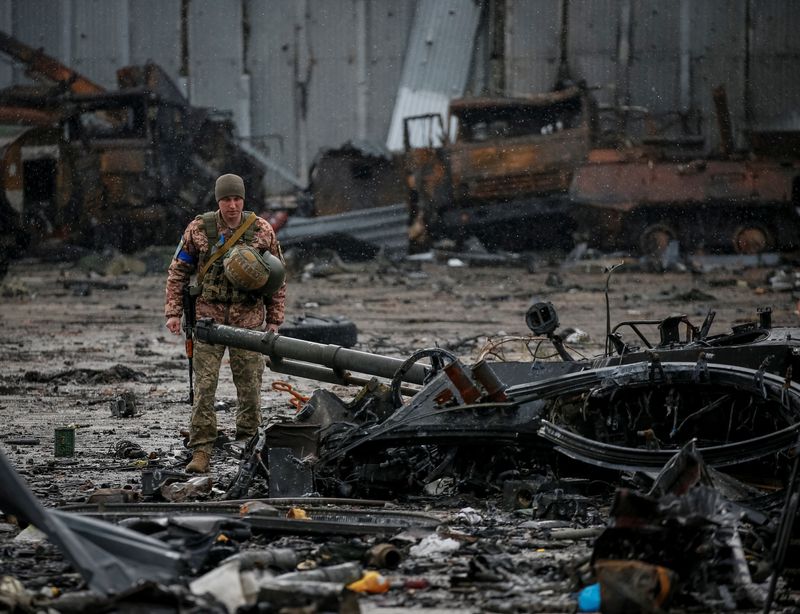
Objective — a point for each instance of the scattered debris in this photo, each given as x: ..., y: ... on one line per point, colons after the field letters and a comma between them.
x: 117, y: 373
x: 489, y: 482
x: 124, y: 406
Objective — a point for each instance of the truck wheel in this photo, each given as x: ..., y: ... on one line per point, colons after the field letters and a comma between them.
x: 655, y: 238
x: 752, y: 239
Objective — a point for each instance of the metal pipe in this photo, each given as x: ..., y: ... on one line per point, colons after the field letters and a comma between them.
x: 278, y: 347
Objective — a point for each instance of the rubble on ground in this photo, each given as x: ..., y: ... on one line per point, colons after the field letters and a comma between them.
x: 509, y: 470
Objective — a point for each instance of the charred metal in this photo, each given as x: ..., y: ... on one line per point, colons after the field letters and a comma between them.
x: 96, y: 169
x: 628, y: 410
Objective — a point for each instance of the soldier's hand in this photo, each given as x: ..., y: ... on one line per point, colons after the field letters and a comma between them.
x: 174, y: 325
x: 272, y: 328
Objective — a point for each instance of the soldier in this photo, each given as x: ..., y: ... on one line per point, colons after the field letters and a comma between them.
x: 240, y: 282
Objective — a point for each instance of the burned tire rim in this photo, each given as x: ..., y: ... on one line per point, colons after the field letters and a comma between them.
x: 752, y: 239
x: 655, y: 239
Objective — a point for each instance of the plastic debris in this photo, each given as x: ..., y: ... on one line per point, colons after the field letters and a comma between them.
x: 181, y: 491
x: 433, y: 545
x: 13, y: 595
x: 372, y: 583
x: 229, y: 585
x: 589, y: 598
x: 469, y: 516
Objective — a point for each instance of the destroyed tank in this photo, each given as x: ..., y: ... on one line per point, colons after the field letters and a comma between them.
x: 630, y: 409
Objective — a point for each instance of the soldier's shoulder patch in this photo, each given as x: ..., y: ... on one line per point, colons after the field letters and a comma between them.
x: 178, y: 249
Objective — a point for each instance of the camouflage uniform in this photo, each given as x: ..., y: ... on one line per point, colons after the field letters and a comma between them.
x: 225, y: 305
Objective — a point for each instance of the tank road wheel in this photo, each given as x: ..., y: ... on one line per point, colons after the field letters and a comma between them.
x: 752, y: 239
x: 655, y: 239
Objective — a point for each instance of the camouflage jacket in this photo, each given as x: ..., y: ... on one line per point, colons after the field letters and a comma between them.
x: 192, y: 249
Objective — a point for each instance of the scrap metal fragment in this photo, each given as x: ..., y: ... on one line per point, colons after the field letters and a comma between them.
x: 111, y: 559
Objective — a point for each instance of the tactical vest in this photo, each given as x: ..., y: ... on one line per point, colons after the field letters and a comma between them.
x: 215, y: 287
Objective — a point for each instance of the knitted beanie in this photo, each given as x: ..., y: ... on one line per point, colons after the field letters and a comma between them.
x: 228, y: 185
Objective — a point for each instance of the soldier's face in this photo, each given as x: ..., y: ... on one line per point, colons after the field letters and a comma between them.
x: 231, y: 208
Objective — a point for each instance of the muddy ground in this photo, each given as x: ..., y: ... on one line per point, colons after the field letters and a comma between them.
x: 75, y: 336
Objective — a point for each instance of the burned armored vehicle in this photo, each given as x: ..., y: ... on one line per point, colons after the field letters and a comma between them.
x: 734, y: 395
x: 122, y: 169
x: 640, y: 199
x: 551, y: 169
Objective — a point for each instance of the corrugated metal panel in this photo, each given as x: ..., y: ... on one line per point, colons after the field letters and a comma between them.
x: 383, y: 227
x: 271, y: 56
x: 592, y: 45
x: 327, y: 32
x: 156, y: 33
x: 332, y: 80
x: 775, y: 58
x: 717, y: 58
x: 216, y: 56
x: 437, y: 61
x: 53, y: 34
x: 100, y: 44
x: 388, y: 30
x: 532, y: 50
x: 6, y: 70
x: 655, y: 56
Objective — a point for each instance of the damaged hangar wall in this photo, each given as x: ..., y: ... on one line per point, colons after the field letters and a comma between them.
x: 298, y: 75
x: 665, y: 56
x: 324, y: 72
x: 94, y: 38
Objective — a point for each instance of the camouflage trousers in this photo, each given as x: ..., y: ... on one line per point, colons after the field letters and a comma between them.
x: 247, y: 369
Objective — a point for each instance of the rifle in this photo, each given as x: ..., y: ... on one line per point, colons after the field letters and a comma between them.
x: 249, y: 467
x: 189, y: 317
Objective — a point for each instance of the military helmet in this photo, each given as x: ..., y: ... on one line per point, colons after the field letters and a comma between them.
x: 248, y: 269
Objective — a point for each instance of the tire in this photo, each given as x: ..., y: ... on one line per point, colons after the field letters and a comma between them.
x: 335, y: 330
x: 752, y: 238
x: 655, y: 239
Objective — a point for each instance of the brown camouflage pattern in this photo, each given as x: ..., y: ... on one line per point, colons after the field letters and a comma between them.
x: 195, y: 243
x: 247, y: 369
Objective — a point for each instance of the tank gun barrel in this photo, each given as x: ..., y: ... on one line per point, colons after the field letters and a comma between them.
x: 298, y: 357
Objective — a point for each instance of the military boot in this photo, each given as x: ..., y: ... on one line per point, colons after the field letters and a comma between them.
x: 199, y: 462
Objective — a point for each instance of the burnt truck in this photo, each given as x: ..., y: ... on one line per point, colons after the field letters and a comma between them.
x: 107, y: 169
x: 544, y: 170
x: 502, y: 173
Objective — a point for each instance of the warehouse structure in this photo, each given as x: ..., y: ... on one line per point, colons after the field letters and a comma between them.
x: 299, y: 75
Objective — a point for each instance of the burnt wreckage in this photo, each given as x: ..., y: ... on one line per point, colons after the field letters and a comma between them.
x: 484, y: 426
x: 89, y: 167
x: 703, y: 426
